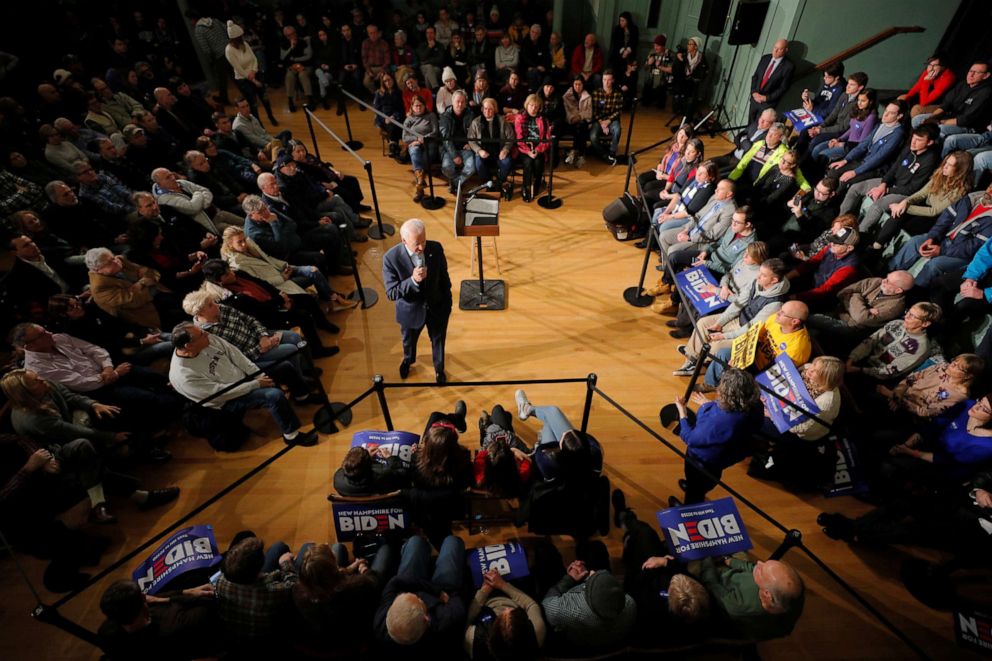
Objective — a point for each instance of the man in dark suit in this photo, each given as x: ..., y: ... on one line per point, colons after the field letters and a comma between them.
x: 771, y: 78
x: 745, y: 139
x: 415, y: 273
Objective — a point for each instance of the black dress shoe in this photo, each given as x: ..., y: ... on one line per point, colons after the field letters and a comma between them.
x: 680, y: 333
x: 157, y: 456
x: 325, y: 352
x: 364, y: 207
x: 643, y: 243
x: 682, y: 484
x: 158, y: 497
x: 672, y: 323
x: 440, y: 377
x: 310, y: 398
x: 460, y: 411
x: 525, y: 195
x: 404, y: 369
x: 674, y: 502
x: 100, y: 514
x: 305, y: 439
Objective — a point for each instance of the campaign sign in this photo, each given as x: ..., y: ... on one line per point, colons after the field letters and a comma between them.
x: 509, y: 559
x: 707, y: 529
x: 187, y: 549
x: 744, y: 347
x: 399, y: 443
x: 973, y: 629
x: 694, y: 286
x: 848, y: 477
x: 350, y: 519
x: 784, y: 380
x: 803, y: 119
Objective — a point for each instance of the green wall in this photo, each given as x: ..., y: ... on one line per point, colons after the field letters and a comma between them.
x: 818, y: 28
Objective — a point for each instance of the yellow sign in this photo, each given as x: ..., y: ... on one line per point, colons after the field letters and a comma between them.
x: 742, y: 352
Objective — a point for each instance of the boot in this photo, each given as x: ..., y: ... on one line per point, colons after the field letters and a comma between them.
x: 326, y: 102
x: 664, y: 307
x: 268, y: 111
x: 292, y: 105
x: 384, y: 134
x: 340, y: 110
x: 421, y: 184
x: 659, y: 289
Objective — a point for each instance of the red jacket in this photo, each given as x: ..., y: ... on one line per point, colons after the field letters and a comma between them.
x: 579, y: 59
x: 830, y: 275
x: 930, y: 91
x: 520, y: 126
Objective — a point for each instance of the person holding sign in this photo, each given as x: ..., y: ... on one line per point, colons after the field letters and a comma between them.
x: 801, y: 456
x: 562, y: 451
x: 506, y: 626
x: 361, y: 475
x: 721, y: 435
x: 783, y: 332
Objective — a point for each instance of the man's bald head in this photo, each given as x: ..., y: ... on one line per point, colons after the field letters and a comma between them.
x: 796, y: 310
x: 780, y: 48
x: 779, y: 585
x: 407, y: 619
x: 268, y: 184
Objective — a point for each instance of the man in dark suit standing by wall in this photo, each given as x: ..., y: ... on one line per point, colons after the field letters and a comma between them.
x: 415, y: 273
x: 771, y: 78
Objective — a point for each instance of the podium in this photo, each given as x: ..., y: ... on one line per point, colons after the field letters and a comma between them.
x: 478, y: 216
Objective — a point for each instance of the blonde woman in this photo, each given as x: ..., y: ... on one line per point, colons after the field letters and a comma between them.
x: 803, y: 456
x: 244, y: 255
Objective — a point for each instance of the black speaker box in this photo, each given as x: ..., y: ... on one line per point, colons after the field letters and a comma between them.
x: 749, y: 19
x: 713, y: 16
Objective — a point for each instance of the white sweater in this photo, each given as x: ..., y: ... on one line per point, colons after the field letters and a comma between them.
x: 242, y: 60
x: 219, y: 365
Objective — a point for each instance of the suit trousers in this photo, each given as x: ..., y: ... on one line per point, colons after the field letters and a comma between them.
x: 437, y: 331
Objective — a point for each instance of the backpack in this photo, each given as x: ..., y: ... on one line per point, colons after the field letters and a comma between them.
x: 625, y: 219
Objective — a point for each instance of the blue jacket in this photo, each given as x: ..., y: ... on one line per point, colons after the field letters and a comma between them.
x: 971, y: 238
x: 415, y: 303
x: 827, y: 97
x: 720, y: 438
x: 980, y: 264
x: 876, y: 155
x: 279, y: 238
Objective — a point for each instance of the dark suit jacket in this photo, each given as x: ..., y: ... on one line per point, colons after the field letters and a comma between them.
x: 779, y: 81
x: 415, y: 302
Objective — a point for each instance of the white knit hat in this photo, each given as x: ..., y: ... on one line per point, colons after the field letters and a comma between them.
x: 448, y: 74
x: 234, y: 30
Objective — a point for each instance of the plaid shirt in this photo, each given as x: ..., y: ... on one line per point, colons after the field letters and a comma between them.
x: 240, y: 329
x: 376, y: 54
x: 606, y: 105
x: 256, y: 610
x: 18, y: 194
x: 110, y: 195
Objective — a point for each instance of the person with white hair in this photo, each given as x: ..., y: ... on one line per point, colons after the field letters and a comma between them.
x: 193, y: 200
x: 124, y: 289
x: 415, y: 276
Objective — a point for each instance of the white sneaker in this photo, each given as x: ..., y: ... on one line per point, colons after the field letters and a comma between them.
x: 570, y: 157
x: 580, y: 162
x: 687, y: 368
x: 524, y: 408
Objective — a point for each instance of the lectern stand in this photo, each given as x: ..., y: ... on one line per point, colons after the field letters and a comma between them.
x: 478, y: 216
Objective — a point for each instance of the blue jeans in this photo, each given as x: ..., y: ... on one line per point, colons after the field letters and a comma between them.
x: 421, y: 161
x: 451, y: 171
x: 275, y: 552
x: 271, y: 399
x: 966, y: 142
x: 668, y: 224
x: 945, y: 130
x: 715, y: 369
x: 305, y: 276
x: 825, y: 152
x: 935, y: 267
x: 149, y: 353
x: 555, y: 424
x: 287, y: 350
x: 415, y: 562
x: 382, y: 563
x: 482, y: 167
x: 983, y: 162
x: 596, y: 132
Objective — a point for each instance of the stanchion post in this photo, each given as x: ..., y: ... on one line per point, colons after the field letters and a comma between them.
x: 587, y: 407
x: 313, y: 136
x: 51, y: 615
x: 352, y: 143
x: 431, y: 202
x: 630, y: 128
x: 793, y: 538
x: 633, y: 294
x: 367, y: 296
x: 380, y: 391
x: 700, y: 361
x: 631, y: 160
x: 380, y: 231
x: 548, y: 201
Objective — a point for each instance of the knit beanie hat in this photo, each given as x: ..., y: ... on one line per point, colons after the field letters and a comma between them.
x: 448, y: 74
x: 605, y: 595
x: 234, y: 30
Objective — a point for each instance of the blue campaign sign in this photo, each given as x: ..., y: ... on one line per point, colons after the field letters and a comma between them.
x: 187, y: 549
x: 694, y: 285
x: 704, y: 530
x: 399, y: 443
x: 350, y: 519
x: 509, y: 559
x: 783, y: 379
x: 973, y: 629
x: 802, y: 118
x: 848, y: 474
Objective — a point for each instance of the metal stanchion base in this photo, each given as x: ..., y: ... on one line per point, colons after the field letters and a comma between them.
x: 354, y: 145
x: 490, y: 296
x: 329, y: 414
x: 371, y: 298
x: 633, y: 296
x: 433, y: 203
x: 548, y: 202
x: 387, y: 230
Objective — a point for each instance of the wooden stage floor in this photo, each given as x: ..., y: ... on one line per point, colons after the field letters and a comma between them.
x: 565, y: 318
